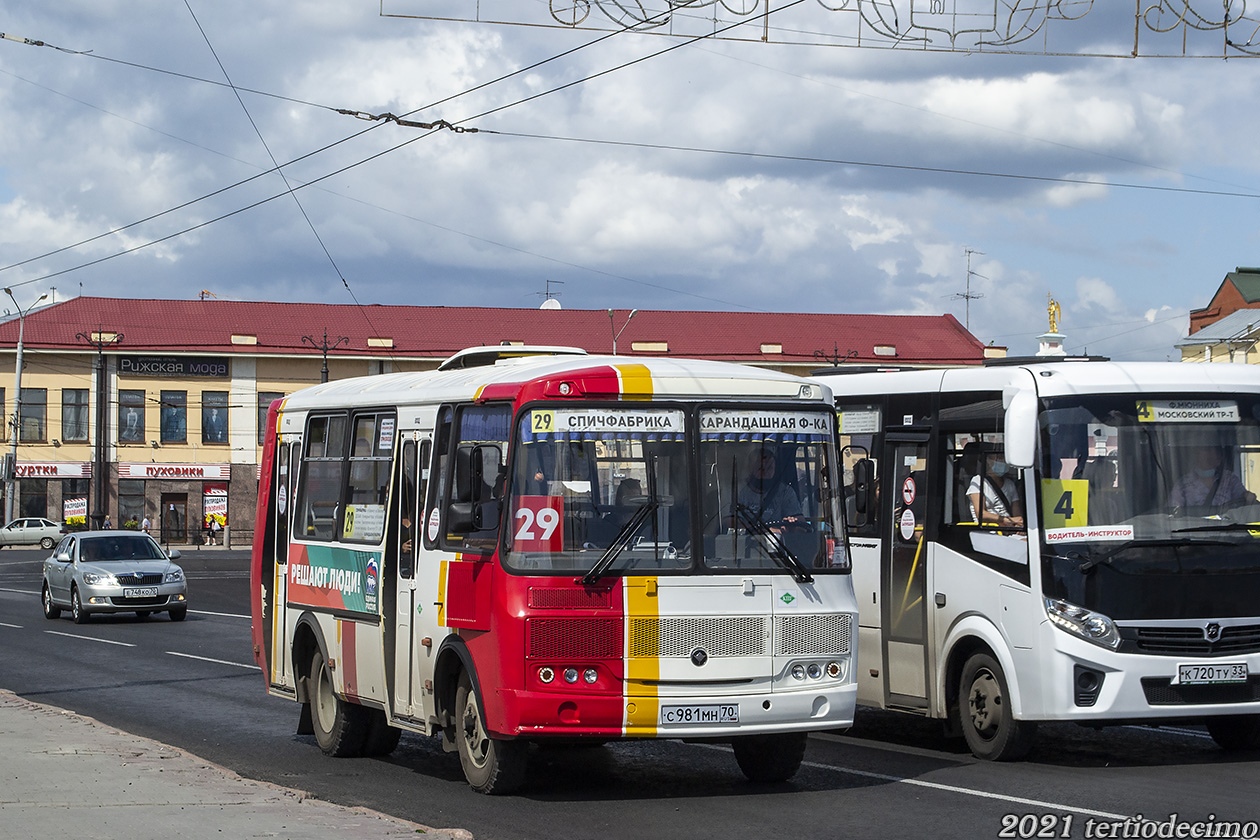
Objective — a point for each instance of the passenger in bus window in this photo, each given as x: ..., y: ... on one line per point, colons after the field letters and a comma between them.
x: 1209, y: 484
x: 1001, y: 504
x: 765, y: 494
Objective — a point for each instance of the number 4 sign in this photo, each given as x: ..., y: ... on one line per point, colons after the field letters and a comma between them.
x: 537, y: 524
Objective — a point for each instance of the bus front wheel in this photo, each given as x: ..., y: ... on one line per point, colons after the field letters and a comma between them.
x: 1235, y: 733
x: 491, y: 765
x: 984, y: 712
x: 770, y: 758
x: 340, y: 727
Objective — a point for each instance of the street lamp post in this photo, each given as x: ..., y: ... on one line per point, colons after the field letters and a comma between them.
x: 10, y: 474
x: 325, y: 347
x: 616, y: 333
x: 100, y: 467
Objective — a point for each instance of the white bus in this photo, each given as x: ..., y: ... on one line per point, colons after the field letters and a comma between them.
x: 525, y: 547
x: 1062, y: 541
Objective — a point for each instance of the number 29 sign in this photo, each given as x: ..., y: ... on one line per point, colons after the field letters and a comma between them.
x: 536, y: 524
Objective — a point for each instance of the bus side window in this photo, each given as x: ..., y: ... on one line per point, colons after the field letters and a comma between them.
x: 472, y: 474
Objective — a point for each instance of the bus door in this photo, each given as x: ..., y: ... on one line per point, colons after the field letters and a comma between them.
x: 904, y: 570
x: 275, y: 633
x: 403, y: 629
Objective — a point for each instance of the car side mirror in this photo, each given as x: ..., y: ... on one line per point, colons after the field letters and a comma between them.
x: 174, y: 554
x: 63, y: 557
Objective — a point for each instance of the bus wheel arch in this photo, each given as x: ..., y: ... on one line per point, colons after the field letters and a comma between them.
x: 452, y: 660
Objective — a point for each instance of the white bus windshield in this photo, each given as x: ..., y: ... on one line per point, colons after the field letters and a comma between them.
x: 616, y: 490
x: 1143, y: 495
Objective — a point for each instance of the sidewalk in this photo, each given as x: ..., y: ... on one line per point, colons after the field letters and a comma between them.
x: 65, y: 774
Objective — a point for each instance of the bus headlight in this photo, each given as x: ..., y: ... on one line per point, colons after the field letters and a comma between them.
x: 1090, y: 626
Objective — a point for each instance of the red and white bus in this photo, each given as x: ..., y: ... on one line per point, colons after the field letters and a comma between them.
x: 523, y: 546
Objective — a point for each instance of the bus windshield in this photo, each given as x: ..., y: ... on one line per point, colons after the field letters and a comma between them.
x: 1152, y: 492
x: 618, y: 490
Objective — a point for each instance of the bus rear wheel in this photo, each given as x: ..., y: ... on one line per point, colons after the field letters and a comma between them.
x: 491, y: 765
x: 1235, y: 733
x: 770, y: 758
x: 984, y: 713
x: 340, y: 727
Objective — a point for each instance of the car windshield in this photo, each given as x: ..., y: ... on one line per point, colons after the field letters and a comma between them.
x: 118, y: 548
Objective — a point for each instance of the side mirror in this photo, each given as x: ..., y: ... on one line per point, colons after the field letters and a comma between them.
x: 63, y: 557
x: 174, y: 554
x: 863, y: 485
x: 1020, y: 428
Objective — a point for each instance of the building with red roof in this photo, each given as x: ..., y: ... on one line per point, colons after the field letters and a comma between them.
x: 187, y: 382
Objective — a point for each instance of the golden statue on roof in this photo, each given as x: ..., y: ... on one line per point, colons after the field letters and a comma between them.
x: 1054, y: 311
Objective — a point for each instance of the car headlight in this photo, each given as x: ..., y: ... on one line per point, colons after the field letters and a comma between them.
x: 175, y: 575
x: 1090, y: 626
x: 99, y: 579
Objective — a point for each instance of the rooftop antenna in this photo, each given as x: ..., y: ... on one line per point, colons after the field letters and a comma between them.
x: 969, y: 295
x: 549, y: 297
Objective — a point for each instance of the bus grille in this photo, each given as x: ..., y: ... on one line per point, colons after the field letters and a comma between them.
x: 1161, y: 692
x: 811, y: 635
x: 725, y: 636
x: 574, y: 638
x: 1189, y: 641
x: 547, y: 598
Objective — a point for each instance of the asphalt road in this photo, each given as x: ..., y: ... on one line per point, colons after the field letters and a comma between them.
x: 193, y: 685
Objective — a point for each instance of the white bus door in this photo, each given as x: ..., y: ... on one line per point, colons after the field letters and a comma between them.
x: 904, y: 572
x: 402, y: 633
x: 275, y: 596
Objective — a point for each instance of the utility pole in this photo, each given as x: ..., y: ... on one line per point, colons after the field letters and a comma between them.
x: 324, y: 346
x: 100, y: 466
x: 10, y: 472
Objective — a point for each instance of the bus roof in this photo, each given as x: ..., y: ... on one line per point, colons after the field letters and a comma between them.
x: 1056, y: 379
x: 610, y: 376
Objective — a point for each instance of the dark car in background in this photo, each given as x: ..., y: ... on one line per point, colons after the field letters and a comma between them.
x: 112, y: 572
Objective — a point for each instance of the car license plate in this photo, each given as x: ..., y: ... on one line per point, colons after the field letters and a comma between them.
x: 1213, y: 674
x: 140, y: 592
x: 716, y: 713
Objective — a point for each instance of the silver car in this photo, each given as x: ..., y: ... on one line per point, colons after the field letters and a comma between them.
x: 111, y: 572
x: 31, y: 530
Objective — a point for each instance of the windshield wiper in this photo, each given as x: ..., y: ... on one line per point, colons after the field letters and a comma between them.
x: 1229, y: 526
x: 777, y: 549
x: 619, y: 543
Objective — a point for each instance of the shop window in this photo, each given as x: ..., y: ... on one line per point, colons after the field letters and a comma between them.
x: 74, y: 414
x: 174, y: 416
x: 34, y: 418
x: 130, y: 502
x: 265, y: 399
x: 74, y: 501
x: 33, y: 498
x: 130, y: 416
x: 214, y: 416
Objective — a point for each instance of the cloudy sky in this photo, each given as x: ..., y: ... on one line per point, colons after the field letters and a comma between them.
x: 138, y: 153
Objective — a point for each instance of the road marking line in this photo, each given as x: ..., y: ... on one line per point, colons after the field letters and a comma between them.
x: 14, y: 626
x: 983, y: 794
x: 89, y: 638
x: 220, y: 615
x: 216, y: 661
x: 18, y: 591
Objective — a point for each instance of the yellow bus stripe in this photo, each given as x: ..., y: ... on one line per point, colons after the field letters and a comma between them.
x: 636, y: 381
x: 642, y: 672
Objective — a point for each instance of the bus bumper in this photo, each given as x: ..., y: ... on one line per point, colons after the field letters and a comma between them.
x: 570, y: 715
